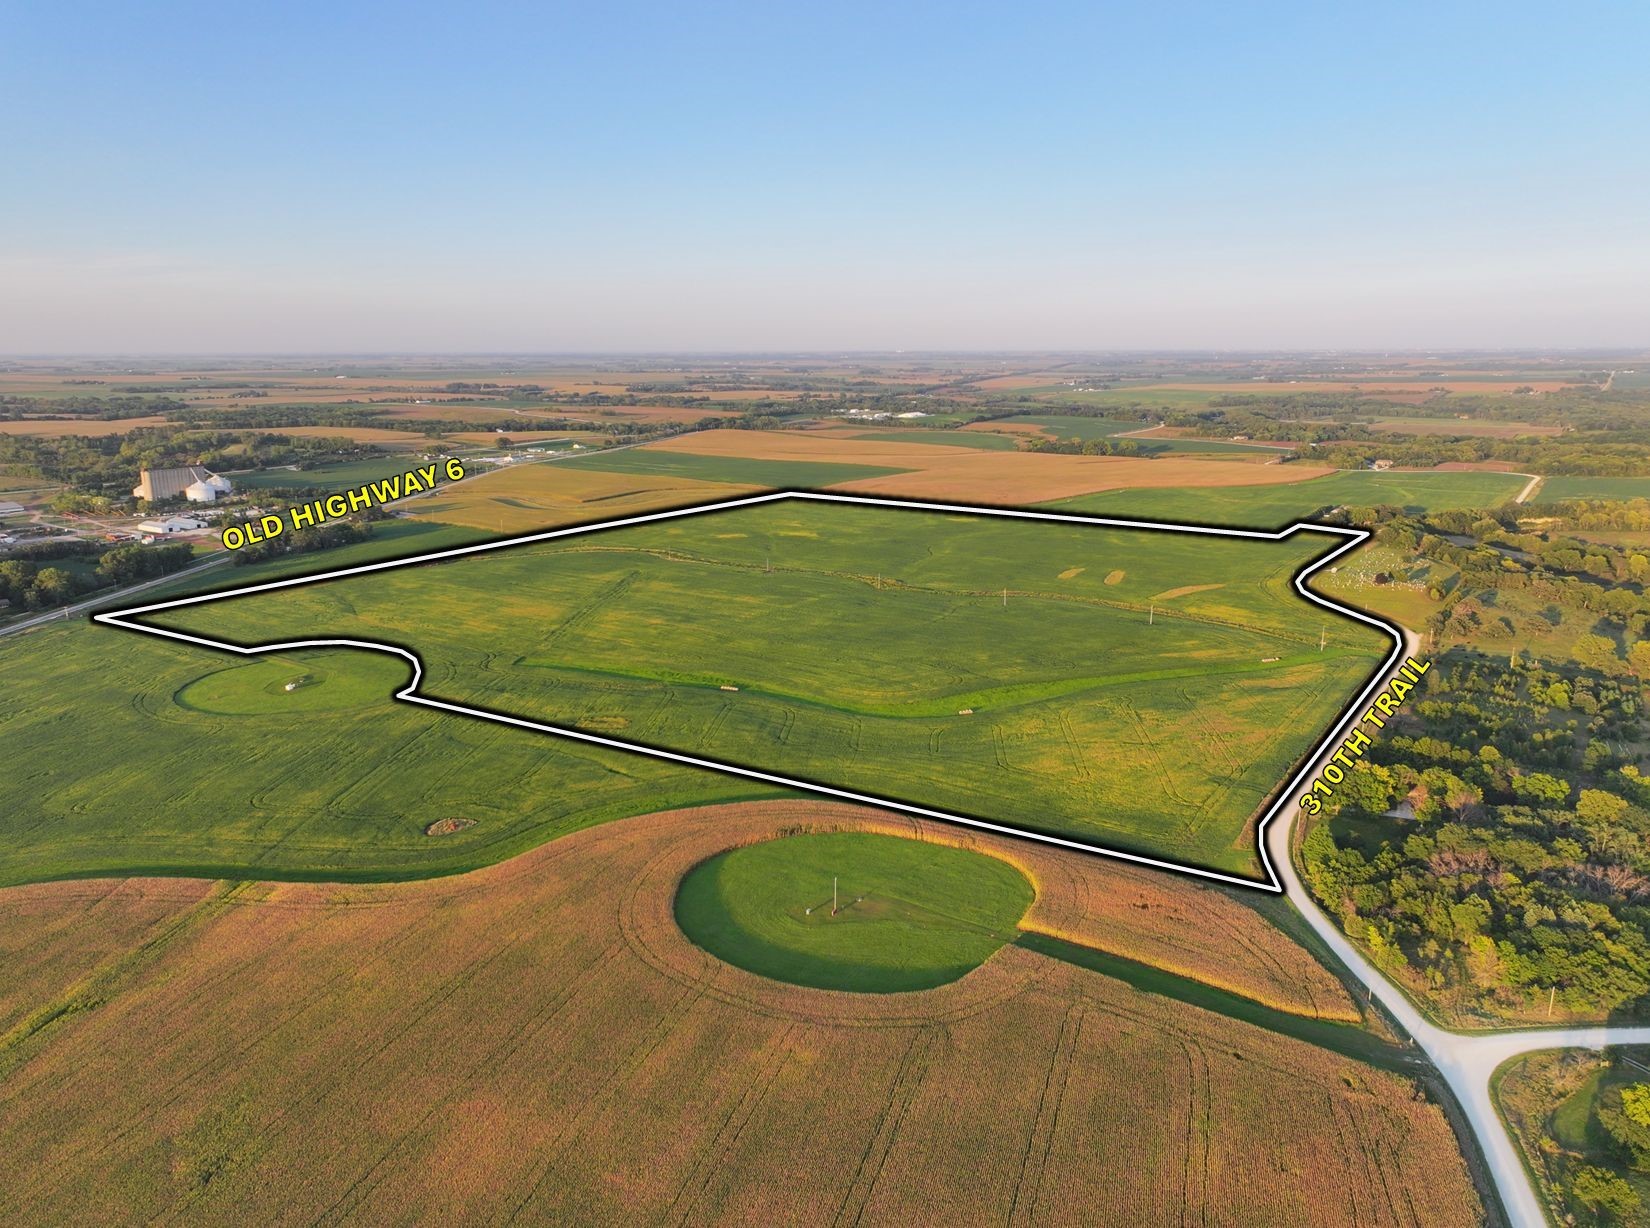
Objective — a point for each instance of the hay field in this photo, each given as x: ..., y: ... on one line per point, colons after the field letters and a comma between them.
x: 523, y: 497
x: 1592, y: 488
x: 970, y: 476
x: 539, y: 1041
x: 873, y: 649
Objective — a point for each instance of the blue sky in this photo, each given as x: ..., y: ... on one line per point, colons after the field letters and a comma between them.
x: 342, y: 176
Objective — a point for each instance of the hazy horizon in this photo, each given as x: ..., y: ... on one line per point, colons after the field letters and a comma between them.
x: 748, y: 179
x: 1537, y: 353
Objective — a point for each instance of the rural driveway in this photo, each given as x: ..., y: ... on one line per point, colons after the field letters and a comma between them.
x: 1466, y: 1061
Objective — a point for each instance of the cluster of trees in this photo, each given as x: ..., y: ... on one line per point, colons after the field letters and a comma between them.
x: 1525, y: 870
x: 1495, y: 551
x: 1569, y: 455
x: 1602, y: 1194
x: 132, y: 563
x: 101, y: 471
x: 1090, y: 447
x: 323, y: 537
x: 86, y: 406
x: 28, y: 585
x: 25, y: 584
x: 1524, y: 875
x: 1606, y: 433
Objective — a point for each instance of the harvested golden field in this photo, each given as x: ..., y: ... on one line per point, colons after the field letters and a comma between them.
x: 538, y: 1040
x: 381, y: 436
x: 445, y: 412
x: 521, y: 498
x: 491, y: 437
x: 940, y: 471
x: 656, y: 413
x: 1485, y: 466
x: 1008, y: 383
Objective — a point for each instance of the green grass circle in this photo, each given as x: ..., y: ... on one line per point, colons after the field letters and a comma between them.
x: 259, y: 687
x: 912, y: 914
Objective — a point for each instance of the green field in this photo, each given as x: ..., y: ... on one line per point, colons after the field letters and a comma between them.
x: 171, y: 775
x: 778, y: 474
x: 911, y: 915
x: 1553, y: 489
x: 1139, y: 690
x: 299, y: 682
x: 1268, y: 507
x: 324, y: 477
x: 1165, y: 445
x: 162, y: 780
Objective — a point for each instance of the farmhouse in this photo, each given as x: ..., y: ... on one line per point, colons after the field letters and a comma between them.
x: 196, y: 483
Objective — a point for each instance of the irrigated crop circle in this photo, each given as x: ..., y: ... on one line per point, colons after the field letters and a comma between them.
x: 279, y: 686
x: 853, y: 910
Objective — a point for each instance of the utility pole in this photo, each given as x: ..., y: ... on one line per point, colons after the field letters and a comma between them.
x: 1005, y: 599
x: 1151, y: 615
x: 1323, y: 637
x: 833, y: 895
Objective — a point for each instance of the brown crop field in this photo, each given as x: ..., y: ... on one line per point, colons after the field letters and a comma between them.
x: 539, y: 1041
x: 1007, y: 426
x: 45, y: 948
x: 521, y: 498
x: 1485, y: 466
x: 939, y: 471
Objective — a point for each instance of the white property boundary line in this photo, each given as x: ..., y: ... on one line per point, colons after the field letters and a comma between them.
x: 409, y: 694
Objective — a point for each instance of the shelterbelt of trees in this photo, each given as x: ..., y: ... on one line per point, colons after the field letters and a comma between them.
x: 95, y: 406
x: 27, y: 584
x: 101, y: 470
x: 1521, y: 885
x: 1605, y: 433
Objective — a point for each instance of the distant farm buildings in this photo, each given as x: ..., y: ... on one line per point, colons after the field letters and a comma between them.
x: 195, y: 483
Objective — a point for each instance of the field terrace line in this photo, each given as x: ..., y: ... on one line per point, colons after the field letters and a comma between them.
x: 1350, y: 539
